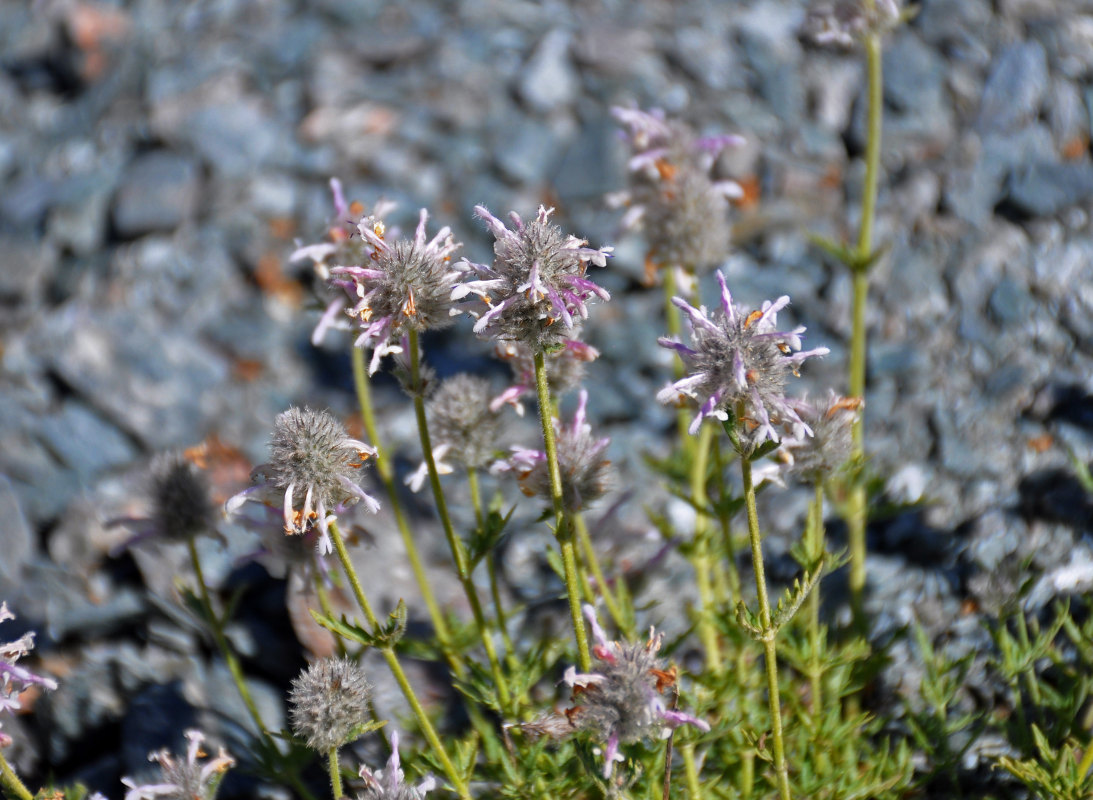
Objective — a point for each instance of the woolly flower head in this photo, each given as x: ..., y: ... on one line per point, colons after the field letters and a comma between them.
x: 183, y: 779
x: 406, y: 286
x: 585, y: 473
x: 464, y: 424
x: 313, y: 460
x: 180, y: 507
x: 14, y: 680
x: 621, y: 701
x: 739, y: 363
x: 565, y: 368
x: 831, y: 420
x: 684, y: 212
x: 843, y: 23
x: 329, y: 703
x: 389, y: 783
x: 536, y: 281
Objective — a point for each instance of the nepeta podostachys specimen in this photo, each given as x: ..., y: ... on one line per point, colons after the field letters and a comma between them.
x: 313, y: 465
x: 565, y: 368
x: 844, y: 23
x: 183, y: 779
x: 536, y: 290
x: 14, y: 679
x: 180, y: 504
x: 739, y: 363
x: 831, y: 420
x: 390, y: 784
x: 329, y: 703
x: 405, y: 285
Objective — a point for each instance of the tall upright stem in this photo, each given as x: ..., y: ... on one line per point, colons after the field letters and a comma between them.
x: 673, y: 321
x: 856, y: 521
x: 593, y: 562
x: 454, y: 543
x: 814, y: 547
x: 387, y: 478
x: 706, y: 629
x: 10, y: 782
x: 725, y: 521
x: 335, y: 773
x: 396, y: 668
x: 491, y: 567
x: 769, y: 648
x: 563, y: 528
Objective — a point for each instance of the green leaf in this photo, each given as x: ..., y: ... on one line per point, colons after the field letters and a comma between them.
x: 386, y: 637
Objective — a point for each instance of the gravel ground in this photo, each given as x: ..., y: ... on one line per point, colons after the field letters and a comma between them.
x: 158, y: 160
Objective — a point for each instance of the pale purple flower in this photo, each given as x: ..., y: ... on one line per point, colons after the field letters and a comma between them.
x: 183, y: 780
x: 565, y: 368
x: 390, y: 783
x: 405, y: 285
x: 672, y: 197
x: 14, y: 679
x: 831, y: 420
x: 739, y: 364
x: 843, y: 23
x: 584, y: 471
x: 536, y: 291
x: 621, y: 700
x: 313, y: 460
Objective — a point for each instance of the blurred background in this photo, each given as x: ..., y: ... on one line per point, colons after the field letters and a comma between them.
x: 160, y: 160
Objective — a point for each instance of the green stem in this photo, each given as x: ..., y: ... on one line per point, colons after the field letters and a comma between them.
x: 725, y: 521
x: 706, y: 630
x: 673, y: 321
x: 815, y: 549
x: 563, y: 527
x: 856, y: 521
x: 324, y: 604
x: 769, y: 648
x: 454, y: 543
x: 335, y: 773
x: 597, y: 572
x: 222, y: 641
x: 396, y: 668
x: 690, y: 771
x: 10, y: 782
x: 1086, y: 762
x: 1030, y: 674
x: 387, y: 478
x: 491, y: 567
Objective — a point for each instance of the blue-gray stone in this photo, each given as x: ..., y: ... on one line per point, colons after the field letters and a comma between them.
x: 549, y: 79
x: 1010, y: 302
x: 593, y: 163
x: 525, y: 151
x: 1044, y: 188
x: 84, y: 442
x: 158, y: 192
x: 1015, y: 88
x: 17, y: 540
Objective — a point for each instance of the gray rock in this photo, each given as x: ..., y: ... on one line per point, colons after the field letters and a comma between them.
x: 525, y: 152
x: 17, y: 541
x: 234, y: 139
x: 1015, y: 88
x: 593, y: 163
x: 25, y: 267
x: 84, y: 442
x: 1010, y: 302
x: 549, y: 80
x: 158, y: 192
x: 1043, y: 189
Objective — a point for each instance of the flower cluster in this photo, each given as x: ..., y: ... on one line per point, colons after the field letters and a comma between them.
x: 389, y: 783
x: 845, y: 22
x: 329, y: 703
x: 564, y: 368
x: 181, y: 505
x: 585, y: 473
x: 537, y: 279
x: 406, y: 286
x: 313, y: 457
x: 684, y: 213
x: 739, y: 363
x: 621, y: 702
x: 183, y: 780
x: 831, y: 420
x: 14, y: 680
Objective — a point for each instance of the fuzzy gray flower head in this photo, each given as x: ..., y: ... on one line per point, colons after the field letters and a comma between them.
x: 536, y: 281
x: 831, y: 420
x: 313, y: 460
x: 343, y: 246
x: 684, y: 212
x: 406, y: 286
x: 14, y: 679
x: 585, y: 472
x: 390, y: 783
x: 621, y: 701
x: 329, y: 703
x: 183, y: 779
x: 565, y: 368
x: 844, y: 23
x: 465, y: 428
x: 739, y: 364
x: 180, y: 506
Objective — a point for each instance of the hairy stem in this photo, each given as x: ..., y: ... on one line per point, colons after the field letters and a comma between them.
x: 769, y: 648
x: 814, y: 530
x: 597, y: 572
x: 690, y: 771
x: 563, y: 527
x: 459, y: 555
x: 707, y: 632
x: 10, y: 783
x: 335, y: 773
x: 725, y: 521
x: 396, y: 668
x: 387, y: 478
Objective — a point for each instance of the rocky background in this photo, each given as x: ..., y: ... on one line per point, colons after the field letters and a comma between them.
x: 159, y: 159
